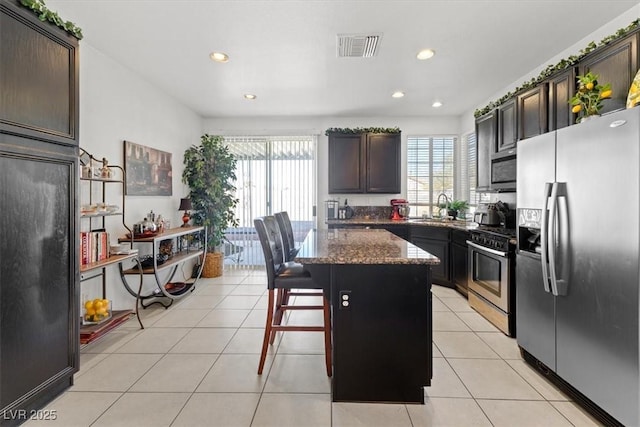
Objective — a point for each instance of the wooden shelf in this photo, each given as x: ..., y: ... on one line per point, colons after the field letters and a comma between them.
x: 175, y: 259
x: 101, y: 179
x: 90, y: 333
x: 99, y: 214
x: 113, y: 259
x: 167, y: 234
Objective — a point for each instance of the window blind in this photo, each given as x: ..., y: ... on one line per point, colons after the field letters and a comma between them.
x: 430, y: 172
x: 273, y: 174
x: 474, y: 197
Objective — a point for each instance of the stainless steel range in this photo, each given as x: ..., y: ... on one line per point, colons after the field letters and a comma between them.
x: 492, y: 275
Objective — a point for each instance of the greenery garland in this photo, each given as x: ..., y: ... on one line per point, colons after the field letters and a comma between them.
x: 44, y: 14
x: 562, y: 65
x: 362, y: 130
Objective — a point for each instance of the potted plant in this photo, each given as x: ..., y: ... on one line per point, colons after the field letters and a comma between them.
x: 209, y: 171
x: 587, y: 102
x: 457, y: 206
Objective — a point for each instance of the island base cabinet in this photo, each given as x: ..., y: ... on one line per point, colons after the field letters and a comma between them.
x: 382, y: 332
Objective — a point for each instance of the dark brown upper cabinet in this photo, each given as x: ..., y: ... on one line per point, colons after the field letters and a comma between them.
x: 383, y: 163
x: 39, y: 84
x: 617, y: 64
x: 532, y: 112
x: 507, y: 125
x: 487, y: 141
x: 561, y: 88
x: 346, y: 158
x: 364, y: 163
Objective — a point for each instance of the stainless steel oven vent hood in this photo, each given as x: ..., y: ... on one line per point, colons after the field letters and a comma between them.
x: 358, y: 45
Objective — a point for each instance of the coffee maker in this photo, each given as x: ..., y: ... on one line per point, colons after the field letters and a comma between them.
x: 400, y: 209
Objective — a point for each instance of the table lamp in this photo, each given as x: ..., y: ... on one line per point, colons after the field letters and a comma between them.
x: 185, y: 205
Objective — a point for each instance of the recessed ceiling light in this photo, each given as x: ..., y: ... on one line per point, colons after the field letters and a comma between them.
x: 436, y: 104
x: 249, y: 96
x: 397, y: 94
x: 219, y: 56
x: 425, y: 54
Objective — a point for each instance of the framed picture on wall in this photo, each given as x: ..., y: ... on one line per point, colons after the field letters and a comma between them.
x: 148, y: 171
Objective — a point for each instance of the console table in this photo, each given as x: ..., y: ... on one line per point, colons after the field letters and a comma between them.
x: 181, y: 244
x: 380, y: 291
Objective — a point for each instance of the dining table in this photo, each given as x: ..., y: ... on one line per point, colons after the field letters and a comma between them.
x: 379, y: 286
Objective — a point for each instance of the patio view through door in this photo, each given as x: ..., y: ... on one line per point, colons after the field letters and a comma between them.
x: 273, y: 174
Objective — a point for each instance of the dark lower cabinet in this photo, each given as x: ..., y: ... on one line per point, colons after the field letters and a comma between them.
x: 39, y: 272
x: 400, y: 230
x: 435, y: 240
x: 459, y: 260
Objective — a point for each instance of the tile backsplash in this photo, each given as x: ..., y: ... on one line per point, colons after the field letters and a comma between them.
x: 373, y: 212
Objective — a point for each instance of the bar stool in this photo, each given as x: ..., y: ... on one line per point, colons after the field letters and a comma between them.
x: 288, y: 241
x: 290, y: 279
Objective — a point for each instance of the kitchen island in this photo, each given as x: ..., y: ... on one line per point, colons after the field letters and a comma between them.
x: 379, y: 286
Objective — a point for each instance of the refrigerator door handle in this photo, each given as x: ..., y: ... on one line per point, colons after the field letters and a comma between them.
x: 544, y: 225
x: 559, y: 285
x: 551, y: 237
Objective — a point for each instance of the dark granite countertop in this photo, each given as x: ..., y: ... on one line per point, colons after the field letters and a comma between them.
x: 360, y: 246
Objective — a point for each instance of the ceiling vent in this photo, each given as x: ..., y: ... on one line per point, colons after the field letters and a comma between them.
x: 358, y: 45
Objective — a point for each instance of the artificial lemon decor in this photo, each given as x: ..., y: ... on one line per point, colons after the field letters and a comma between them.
x: 588, y: 99
x: 96, y: 311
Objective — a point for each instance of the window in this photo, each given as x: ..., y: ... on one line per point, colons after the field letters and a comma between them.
x: 273, y: 173
x: 471, y: 178
x: 430, y: 172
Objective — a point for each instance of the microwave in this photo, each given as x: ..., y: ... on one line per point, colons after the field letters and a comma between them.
x: 503, y: 170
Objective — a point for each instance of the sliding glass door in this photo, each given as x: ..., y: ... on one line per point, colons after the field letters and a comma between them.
x: 273, y: 174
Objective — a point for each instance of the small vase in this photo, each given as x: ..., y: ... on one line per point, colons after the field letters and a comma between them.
x: 587, y: 118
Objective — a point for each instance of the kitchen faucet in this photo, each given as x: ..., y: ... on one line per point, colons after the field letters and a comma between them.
x: 446, y: 204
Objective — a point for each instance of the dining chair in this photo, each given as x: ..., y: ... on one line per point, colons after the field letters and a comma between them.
x: 290, y: 279
x: 288, y: 241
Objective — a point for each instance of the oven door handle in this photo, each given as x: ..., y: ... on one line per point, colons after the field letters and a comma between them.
x: 485, y: 249
x: 544, y: 234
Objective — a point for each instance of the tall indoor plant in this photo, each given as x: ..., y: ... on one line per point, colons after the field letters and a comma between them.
x: 209, y: 171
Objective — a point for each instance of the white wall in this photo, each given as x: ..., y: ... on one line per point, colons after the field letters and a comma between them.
x: 117, y: 105
x: 410, y: 126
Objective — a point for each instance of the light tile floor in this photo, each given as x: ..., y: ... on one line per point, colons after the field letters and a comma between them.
x: 195, y: 365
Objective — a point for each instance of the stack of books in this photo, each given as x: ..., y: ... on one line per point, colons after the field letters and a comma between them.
x: 94, y: 246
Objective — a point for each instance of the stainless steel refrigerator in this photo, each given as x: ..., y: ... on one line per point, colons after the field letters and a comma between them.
x: 577, y: 269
